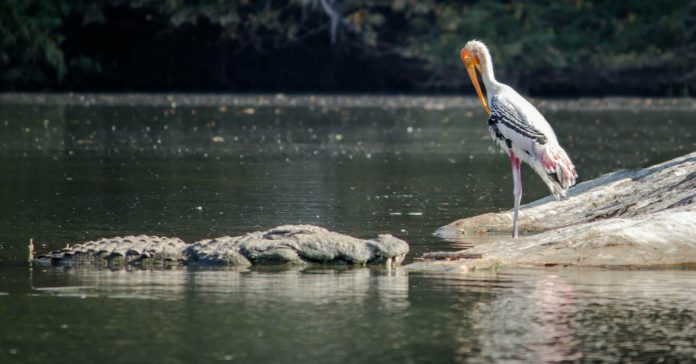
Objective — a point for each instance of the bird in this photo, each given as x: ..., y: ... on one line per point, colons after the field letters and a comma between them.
x: 519, y: 129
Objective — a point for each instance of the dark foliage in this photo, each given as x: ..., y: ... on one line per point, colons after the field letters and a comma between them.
x: 551, y: 47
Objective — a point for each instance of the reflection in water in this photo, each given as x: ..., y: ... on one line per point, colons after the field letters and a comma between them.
x: 258, y: 315
x: 532, y: 324
x: 289, y: 284
x: 341, y: 314
x: 586, y: 314
x: 552, y: 319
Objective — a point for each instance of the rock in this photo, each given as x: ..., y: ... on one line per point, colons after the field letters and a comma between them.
x: 620, y: 194
x: 299, y: 244
x: 645, y: 217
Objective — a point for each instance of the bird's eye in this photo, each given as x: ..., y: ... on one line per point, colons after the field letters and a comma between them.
x: 468, y: 59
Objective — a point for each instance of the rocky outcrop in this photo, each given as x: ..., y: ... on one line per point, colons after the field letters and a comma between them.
x: 300, y: 244
x: 645, y: 217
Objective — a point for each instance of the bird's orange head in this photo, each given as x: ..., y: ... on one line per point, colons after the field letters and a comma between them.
x: 472, y: 63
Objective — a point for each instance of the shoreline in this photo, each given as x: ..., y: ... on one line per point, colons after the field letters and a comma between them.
x: 428, y: 102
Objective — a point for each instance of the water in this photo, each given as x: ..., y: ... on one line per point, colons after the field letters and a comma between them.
x: 198, y: 167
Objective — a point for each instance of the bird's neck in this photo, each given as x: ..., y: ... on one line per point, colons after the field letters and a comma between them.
x: 487, y: 74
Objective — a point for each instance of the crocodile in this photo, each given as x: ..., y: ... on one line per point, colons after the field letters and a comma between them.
x: 286, y: 244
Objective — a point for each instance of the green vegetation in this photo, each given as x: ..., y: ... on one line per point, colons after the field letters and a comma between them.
x: 550, y: 47
x: 30, y: 40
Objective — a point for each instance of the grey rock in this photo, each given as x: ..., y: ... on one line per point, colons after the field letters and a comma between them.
x: 620, y: 194
x: 294, y: 244
x: 645, y: 217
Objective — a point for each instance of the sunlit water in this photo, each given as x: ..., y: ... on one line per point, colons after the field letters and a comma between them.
x: 72, y: 172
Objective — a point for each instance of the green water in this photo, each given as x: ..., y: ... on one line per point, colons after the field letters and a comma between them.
x: 73, y: 171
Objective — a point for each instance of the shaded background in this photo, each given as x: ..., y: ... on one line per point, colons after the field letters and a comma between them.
x: 564, y: 48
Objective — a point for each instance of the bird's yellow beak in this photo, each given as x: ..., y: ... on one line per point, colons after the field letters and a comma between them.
x: 471, y: 62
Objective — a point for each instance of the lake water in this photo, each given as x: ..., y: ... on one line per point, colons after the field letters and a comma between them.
x: 75, y: 168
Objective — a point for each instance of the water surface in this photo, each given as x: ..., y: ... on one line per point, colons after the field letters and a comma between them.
x: 74, y: 171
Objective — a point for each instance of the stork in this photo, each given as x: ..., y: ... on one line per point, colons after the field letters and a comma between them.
x: 518, y: 128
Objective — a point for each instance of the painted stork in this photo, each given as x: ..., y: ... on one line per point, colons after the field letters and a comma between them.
x: 519, y: 128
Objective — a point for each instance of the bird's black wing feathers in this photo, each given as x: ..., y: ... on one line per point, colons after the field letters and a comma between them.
x: 510, y: 118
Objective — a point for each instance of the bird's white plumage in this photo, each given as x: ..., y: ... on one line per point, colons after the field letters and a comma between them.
x: 526, y: 110
x: 519, y: 128
x: 529, y: 136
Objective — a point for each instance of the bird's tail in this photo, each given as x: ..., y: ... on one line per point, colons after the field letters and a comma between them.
x: 559, y: 169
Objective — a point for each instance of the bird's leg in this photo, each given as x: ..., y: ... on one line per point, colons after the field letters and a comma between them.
x: 517, y: 179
